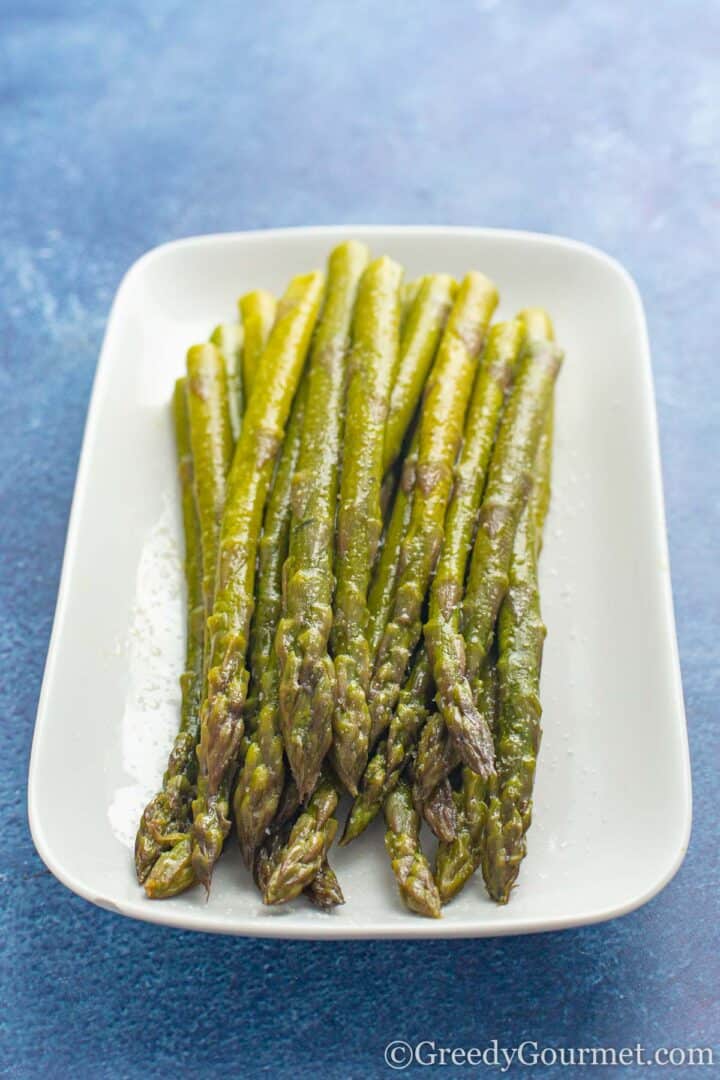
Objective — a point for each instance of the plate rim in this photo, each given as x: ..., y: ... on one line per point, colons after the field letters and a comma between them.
x: 334, y: 928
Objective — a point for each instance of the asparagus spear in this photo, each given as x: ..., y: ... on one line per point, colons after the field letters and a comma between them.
x: 258, y: 310
x: 432, y: 299
x: 458, y: 859
x: 172, y: 872
x: 211, y: 440
x: 307, y: 673
x: 251, y: 473
x: 437, y: 753
x: 440, y: 433
x: 521, y: 633
x: 421, y: 334
x: 273, y: 548
x: 408, y: 295
x: 402, y: 842
x: 167, y: 812
x: 437, y: 756
x: 306, y: 850
x: 324, y: 890
x: 262, y: 775
x: 439, y: 812
x: 372, y: 365
x: 228, y: 338
x: 509, y: 479
x: 385, y: 573
x: 391, y: 756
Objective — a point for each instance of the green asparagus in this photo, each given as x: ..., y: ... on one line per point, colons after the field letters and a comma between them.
x: 408, y: 295
x: 228, y: 338
x: 509, y: 480
x: 168, y: 811
x: 410, y: 867
x: 385, y: 572
x: 437, y: 756
x: 421, y: 334
x: 307, y: 673
x: 440, y: 433
x: 458, y: 859
x: 324, y: 890
x: 250, y: 476
x: 211, y: 440
x: 262, y: 775
x: 391, y: 756
x: 306, y: 850
x: 439, y: 812
x: 442, y: 631
x: 258, y: 311
x: 521, y: 633
x: 372, y: 367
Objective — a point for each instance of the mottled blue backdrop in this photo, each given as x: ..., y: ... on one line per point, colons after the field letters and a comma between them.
x: 126, y: 124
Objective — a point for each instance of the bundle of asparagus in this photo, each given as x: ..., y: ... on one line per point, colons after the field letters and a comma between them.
x: 364, y: 472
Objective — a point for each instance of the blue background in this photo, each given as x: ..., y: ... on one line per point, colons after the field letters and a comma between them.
x: 125, y: 125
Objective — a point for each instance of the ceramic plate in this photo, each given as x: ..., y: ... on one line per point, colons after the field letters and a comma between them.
x: 612, y: 805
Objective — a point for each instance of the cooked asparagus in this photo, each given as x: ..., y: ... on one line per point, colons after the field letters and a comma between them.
x: 442, y: 632
x: 521, y: 633
x: 307, y: 673
x: 372, y: 367
x: 422, y: 331
x: 211, y: 441
x: 402, y: 842
x: 305, y: 852
x: 391, y: 756
x: 262, y: 776
x: 440, y: 433
x: 228, y: 338
x: 458, y: 859
x: 257, y: 449
x: 258, y: 310
x: 168, y: 812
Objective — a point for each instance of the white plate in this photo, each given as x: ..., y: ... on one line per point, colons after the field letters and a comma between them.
x: 612, y: 806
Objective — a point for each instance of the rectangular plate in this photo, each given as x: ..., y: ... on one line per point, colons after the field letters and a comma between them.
x: 612, y: 806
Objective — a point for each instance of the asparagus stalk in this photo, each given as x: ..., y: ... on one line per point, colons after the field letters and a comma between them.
x: 440, y: 813
x: 521, y: 633
x: 408, y: 295
x: 262, y: 776
x: 305, y: 852
x: 440, y: 433
x: 167, y: 812
x: 211, y: 441
x: 422, y: 331
x: 437, y: 756
x: 442, y: 629
x: 409, y: 865
x: 392, y: 754
x: 509, y: 479
x: 372, y: 366
x: 228, y: 339
x: 324, y: 890
x: 258, y: 310
x: 307, y: 673
x: 458, y: 859
x: 251, y: 473
x: 385, y: 573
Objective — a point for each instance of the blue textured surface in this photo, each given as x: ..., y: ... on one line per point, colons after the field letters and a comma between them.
x: 124, y: 125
